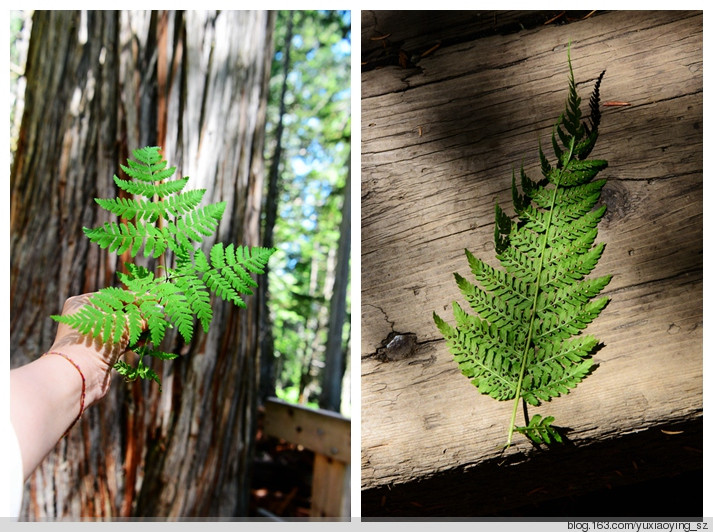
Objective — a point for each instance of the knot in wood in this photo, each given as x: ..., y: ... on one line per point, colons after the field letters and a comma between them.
x: 397, y: 346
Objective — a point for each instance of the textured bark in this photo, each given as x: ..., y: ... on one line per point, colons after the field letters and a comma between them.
x: 101, y: 84
x: 267, y: 341
x: 335, y: 355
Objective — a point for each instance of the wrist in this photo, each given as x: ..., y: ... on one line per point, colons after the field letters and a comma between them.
x: 93, y: 372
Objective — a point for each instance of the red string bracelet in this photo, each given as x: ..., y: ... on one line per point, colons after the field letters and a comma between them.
x: 84, y: 387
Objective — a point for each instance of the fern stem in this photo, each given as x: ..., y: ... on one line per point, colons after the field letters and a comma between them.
x: 528, y: 342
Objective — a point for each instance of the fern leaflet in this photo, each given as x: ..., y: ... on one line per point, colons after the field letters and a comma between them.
x: 525, y: 340
x: 161, y: 217
x: 540, y: 430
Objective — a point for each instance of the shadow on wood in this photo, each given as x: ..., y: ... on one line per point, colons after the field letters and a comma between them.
x: 654, y: 473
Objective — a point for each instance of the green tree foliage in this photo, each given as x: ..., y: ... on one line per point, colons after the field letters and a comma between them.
x: 20, y: 25
x: 313, y: 170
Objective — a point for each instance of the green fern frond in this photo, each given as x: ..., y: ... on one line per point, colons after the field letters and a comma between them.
x: 149, y: 190
x: 152, y: 303
x: 105, y: 318
x: 153, y: 313
x: 179, y: 311
x: 253, y: 258
x: 200, y: 223
x: 227, y: 275
x: 142, y: 209
x: 201, y: 261
x: 119, y: 238
x: 161, y: 355
x: 141, y: 370
x: 150, y: 167
x: 540, y: 430
x: 197, y: 297
x: 133, y: 236
x: 135, y: 322
x: 149, y: 156
x: 524, y: 341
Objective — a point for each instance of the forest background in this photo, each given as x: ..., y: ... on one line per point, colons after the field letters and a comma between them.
x: 308, y: 147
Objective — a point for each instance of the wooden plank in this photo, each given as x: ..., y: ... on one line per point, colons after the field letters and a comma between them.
x: 329, y: 488
x: 321, y: 431
x: 439, y: 144
x: 536, y: 487
x: 391, y: 37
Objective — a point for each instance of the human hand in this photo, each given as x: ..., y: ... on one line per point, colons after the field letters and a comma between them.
x: 95, y: 356
x: 49, y: 395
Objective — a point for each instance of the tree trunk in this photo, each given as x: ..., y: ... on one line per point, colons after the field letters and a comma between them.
x: 335, y: 355
x: 100, y: 84
x: 267, y: 342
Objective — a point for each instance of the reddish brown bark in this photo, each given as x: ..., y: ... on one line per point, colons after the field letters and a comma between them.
x: 99, y: 85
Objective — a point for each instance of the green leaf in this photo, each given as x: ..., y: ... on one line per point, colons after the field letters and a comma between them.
x: 149, y: 190
x: 161, y: 217
x: 525, y: 339
x: 154, y: 315
x: 151, y: 210
x: 541, y: 431
x: 197, y: 296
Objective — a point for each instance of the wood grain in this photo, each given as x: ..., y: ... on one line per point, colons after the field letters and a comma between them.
x: 439, y: 144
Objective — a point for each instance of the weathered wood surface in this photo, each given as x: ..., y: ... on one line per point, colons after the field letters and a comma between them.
x: 326, y: 433
x: 439, y: 144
